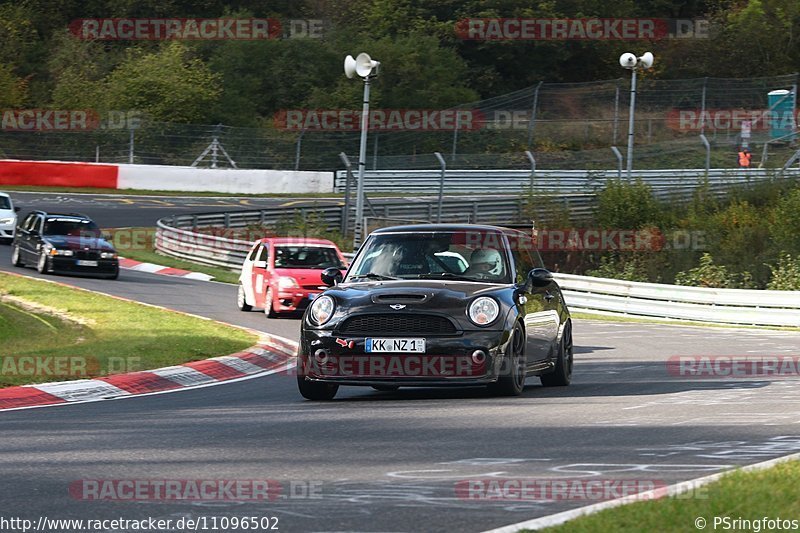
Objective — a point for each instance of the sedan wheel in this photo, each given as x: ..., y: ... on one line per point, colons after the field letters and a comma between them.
x: 512, y: 379
x: 562, y: 375
x: 241, y: 300
x: 41, y: 265
x: 16, y: 260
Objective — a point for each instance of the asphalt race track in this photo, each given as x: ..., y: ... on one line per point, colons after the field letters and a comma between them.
x: 115, y: 211
x: 392, y: 461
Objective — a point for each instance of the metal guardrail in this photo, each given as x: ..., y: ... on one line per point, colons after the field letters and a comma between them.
x: 174, y: 235
x: 582, y: 293
x: 560, y: 181
x: 654, y: 300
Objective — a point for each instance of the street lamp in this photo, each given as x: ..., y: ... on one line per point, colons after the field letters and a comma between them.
x: 363, y: 66
x: 633, y: 63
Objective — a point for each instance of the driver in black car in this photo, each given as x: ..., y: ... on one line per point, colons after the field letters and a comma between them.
x: 485, y: 263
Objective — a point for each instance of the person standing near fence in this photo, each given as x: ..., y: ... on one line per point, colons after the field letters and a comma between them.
x: 744, y: 158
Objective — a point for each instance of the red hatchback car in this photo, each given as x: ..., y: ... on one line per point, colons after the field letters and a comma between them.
x: 282, y: 275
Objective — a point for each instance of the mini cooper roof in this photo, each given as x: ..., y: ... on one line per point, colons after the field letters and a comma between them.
x: 426, y: 228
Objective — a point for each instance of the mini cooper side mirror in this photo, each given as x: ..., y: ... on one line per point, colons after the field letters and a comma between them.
x: 540, y: 277
x: 331, y: 276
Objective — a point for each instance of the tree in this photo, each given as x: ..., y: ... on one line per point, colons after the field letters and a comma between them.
x: 168, y: 85
x: 13, y: 90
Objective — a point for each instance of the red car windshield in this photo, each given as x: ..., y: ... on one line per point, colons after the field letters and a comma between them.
x: 317, y: 257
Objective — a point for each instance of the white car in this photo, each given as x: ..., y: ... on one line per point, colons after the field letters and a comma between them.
x: 8, y: 217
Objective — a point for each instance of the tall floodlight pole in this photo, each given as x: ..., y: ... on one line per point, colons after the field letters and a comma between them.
x: 633, y: 63
x: 363, y: 66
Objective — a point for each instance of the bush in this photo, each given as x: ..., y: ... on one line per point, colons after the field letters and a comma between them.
x: 786, y: 276
x: 627, y: 205
x: 707, y: 274
x: 738, y: 238
x: 629, y: 268
x: 784, y: 227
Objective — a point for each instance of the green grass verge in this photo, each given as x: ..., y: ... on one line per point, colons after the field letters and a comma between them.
x: 770, y: 493
x: 645, y: 320
x: 137, y: 244
x: 114, y: 335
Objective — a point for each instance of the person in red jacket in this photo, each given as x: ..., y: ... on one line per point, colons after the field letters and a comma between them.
x: 744, y: 158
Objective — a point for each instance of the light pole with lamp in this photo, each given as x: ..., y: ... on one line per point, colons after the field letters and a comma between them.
x: 363, y: 66
x: 633, y: 63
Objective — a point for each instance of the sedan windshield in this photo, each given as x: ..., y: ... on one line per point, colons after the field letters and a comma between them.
x: 459, y: 255
x: 5, y: 203
x: 71, y: 227
x: 316, y: 257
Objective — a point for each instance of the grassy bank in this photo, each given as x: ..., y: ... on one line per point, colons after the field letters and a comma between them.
x: 137, y: 244
x: 43, y: 319
x: 770, y: 493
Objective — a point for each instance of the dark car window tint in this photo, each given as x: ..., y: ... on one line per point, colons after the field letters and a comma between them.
x: 37, y: 225
x: 522, y: 248
x: 77, y: 228
x: 306, y: 257
x: 5, y: 203
x: 263, y: 253
x: 252, y: 256
x: 28, y: 224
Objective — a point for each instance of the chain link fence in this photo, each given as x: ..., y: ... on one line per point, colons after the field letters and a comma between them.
x: 566, y: 126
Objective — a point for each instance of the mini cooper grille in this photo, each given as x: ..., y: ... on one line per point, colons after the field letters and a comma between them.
x: 389, y: 324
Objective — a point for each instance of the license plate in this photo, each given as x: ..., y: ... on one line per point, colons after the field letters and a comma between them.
x: 395, y: 345
x: 85, y: 263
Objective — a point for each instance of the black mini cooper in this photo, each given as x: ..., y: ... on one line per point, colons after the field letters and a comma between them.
x: 64, y: 243
x: 437, y: 305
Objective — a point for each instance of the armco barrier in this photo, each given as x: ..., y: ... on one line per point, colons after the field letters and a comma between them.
x: 582, y: 293
x: 727, y: 306
x: 679, y: 181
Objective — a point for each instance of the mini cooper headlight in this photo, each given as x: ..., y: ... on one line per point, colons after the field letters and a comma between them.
x: 483, y: 311
x: 322, y: 310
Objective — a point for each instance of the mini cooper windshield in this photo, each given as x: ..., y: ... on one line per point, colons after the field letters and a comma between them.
x: 459, y: 255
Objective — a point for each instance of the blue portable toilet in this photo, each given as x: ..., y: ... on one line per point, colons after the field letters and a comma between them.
x: 781, y: 114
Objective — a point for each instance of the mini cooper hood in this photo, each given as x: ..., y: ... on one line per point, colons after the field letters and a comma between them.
x: 424, y: 293
x: 70, y: 242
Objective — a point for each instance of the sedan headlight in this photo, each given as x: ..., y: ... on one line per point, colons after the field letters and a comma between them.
x: 56, y: 251
x: 322, y: 310
x: 5, y: 221
x: 483, y: 311
x: 108, y: 255
x: 287, y: 282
